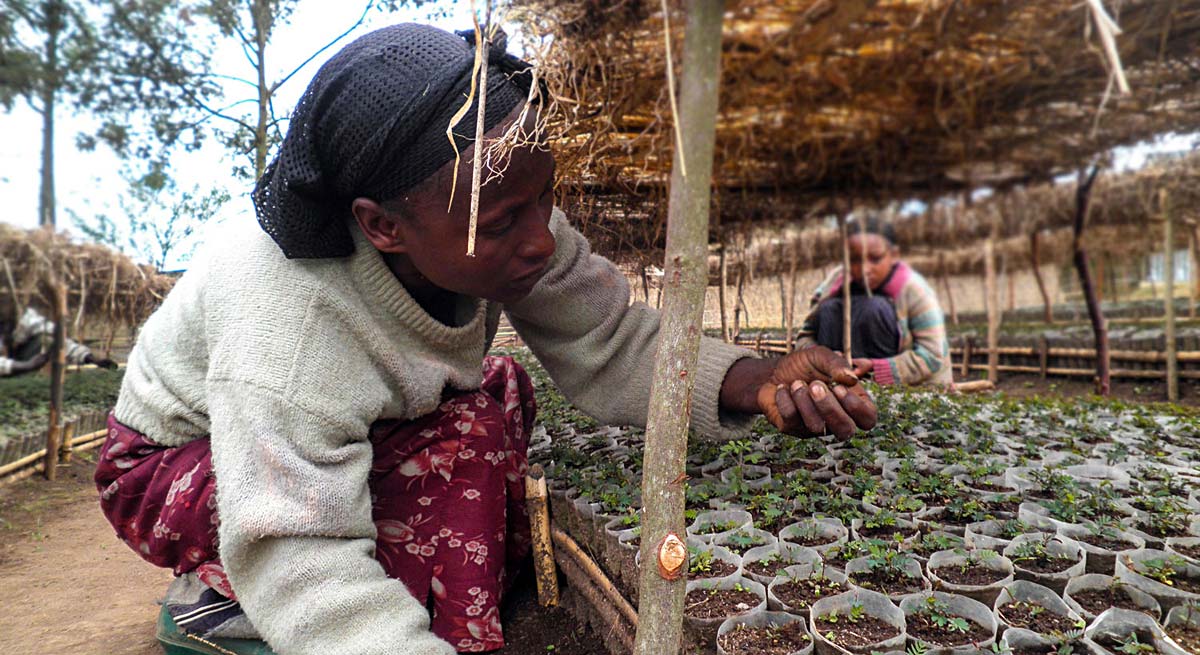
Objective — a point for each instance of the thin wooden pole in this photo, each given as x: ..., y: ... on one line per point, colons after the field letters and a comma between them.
x: 721, y: 296
x: 66, y: 444
x: 1043, y: 355
x: 663, y: 553
x: 1083, y: 193
x: 738, y: 303
x: 847, y: 336
x: 968, y: 347
x: 791, y: 300
x: 1036, y: 263
x: 992, y: 298
x: 946, y: 287
x: 1194, y: 274
x: 58, y: 369
x: 1164, y: 202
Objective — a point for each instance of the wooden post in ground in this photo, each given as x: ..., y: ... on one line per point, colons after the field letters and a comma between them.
x: 721, y: 295
x: 737, y: 301
x: 1043, y: 356
x: 1035, y: 261
x: 847, y: 344
x: 546, y: 572
x: 663, y: 549
x: 65, y: 449
x: 946, y: 287
x: 968, y: 344
x: 791, y: 300
x: 1164, y: 203
x: 58, y: 370
x: 1194, y: 275
x: 992, y: 298
x: 1083, y: 192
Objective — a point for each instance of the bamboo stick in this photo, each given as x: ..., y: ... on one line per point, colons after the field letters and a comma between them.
x: 791, y: 301
x: 539, y: 527
x: 660, y: 615
x: 1164, y: 201
x: 725, y: 334
x: 1043, y: 356
x: 603, y: 606
x: 66, y: 444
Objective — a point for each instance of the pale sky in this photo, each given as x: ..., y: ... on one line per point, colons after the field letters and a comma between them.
x: 89, y: 182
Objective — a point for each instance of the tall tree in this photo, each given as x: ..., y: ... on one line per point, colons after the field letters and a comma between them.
x: 155, y: 220
x: 59, y: 52
x: 252, y: 24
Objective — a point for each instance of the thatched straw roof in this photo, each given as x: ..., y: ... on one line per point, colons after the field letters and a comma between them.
x: 860, y: 100
x: 1125, y: 218
x: 102, y: 284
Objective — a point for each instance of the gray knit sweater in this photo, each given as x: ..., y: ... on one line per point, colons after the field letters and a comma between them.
x: 285, y: 364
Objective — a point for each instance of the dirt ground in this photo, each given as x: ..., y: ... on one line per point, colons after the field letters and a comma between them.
x: 67, y: 585
x: 1139, y: 391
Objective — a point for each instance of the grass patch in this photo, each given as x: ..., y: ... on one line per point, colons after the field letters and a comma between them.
x: 25, y: 400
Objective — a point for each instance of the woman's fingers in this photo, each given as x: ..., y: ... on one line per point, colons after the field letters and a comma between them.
x: 836, y: 419
x: 809, y: 414
x: 788, y: 415
x: 858, y: 406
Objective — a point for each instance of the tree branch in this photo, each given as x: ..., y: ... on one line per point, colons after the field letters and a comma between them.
x: 357, y: 23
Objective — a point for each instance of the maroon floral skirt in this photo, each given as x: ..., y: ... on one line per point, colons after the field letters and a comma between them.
x: 448, y: 497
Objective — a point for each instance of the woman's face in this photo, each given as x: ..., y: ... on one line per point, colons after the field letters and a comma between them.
x: 513, y: 243
x: 871, y: 259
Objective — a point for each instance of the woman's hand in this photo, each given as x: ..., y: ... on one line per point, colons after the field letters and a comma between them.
x: 798, y: 398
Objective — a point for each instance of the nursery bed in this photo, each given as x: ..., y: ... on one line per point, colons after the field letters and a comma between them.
x: 959, y: 475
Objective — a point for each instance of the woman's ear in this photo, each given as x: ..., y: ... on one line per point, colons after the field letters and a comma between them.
x: 381, y: 227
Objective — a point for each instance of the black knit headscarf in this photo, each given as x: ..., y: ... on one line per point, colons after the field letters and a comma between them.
x: 372, y: 123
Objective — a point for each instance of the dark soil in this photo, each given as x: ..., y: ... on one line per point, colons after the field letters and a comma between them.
x: 1190, y: 585
x: 716, y: 603
x: 1160, y: 533
x: 974, y: 576
x: 922, y: 628
x: 887, y: 584
x: 1036, y: 618
x: 1188, y: 551
x: 883, y: 532
x: 1098, y: 600
x: 1115, y: 646
x: 718, y: 569
x: 1186, y: 636
x: 863, y: 632
x: 1105, y: 543
x: 803, y: 593
x: 1003, y: 505
x: 1076, y: 649
x: 1046, y: 565
x: 741, y: 549
x: 775, y: 525
x: 769, y: 568
x: 714, y: 528
x: 771, y: 640
x: 813, y: 541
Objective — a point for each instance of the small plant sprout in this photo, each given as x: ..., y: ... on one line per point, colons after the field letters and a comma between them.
x: 1131, y: 645
x: 939, y: 615
x: 1163, y: 569
x: 701, y: 561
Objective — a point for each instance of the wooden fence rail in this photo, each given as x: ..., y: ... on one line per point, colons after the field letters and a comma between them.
x: 1045, y: 355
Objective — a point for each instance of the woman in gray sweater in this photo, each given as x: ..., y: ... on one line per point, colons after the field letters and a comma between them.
x: 310, y: 433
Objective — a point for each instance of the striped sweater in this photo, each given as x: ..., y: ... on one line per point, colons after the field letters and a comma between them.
x: 924, y: 349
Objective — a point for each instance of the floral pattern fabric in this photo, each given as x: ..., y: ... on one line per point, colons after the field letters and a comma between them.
x: 447, y: 490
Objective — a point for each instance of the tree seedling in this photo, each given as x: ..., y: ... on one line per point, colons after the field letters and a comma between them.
x: 938, y: 612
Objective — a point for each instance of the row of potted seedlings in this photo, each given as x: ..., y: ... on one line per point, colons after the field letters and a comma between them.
x: 948, y: 500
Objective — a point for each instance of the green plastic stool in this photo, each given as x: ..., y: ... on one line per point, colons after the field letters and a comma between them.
x: 176, y: 642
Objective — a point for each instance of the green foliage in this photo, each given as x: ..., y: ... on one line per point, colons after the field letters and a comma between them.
x: 25, y: 400
x: 700, y: 561
x: 938, y: 613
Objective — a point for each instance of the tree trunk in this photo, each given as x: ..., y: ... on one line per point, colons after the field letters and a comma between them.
x: 660, y: 615
x: 1164, y: 202
x: 262, y: 33
x: 847, y: 344
x: 1083, y: 194
x: 992, y: 298
x: 47, y: 210
x: 1035, y: 261
x: 58, y: 371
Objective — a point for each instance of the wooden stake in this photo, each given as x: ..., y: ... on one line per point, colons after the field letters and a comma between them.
x: 946, y: 287
x: 738, y: 303
x: 1099, y: 326
x: 725, y: 334
x: 791, y: 301
x: 539, y: 527
x: 966, y: 361
x: 660, y: 615
x: 66, y: 445
x: 847, y: 343
x: 1043, y: 355
x: 1035, y: 261
x: 992, y: 297
x: 58, y: 369
x: 1164, y: 202
x: 1194, y: 277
